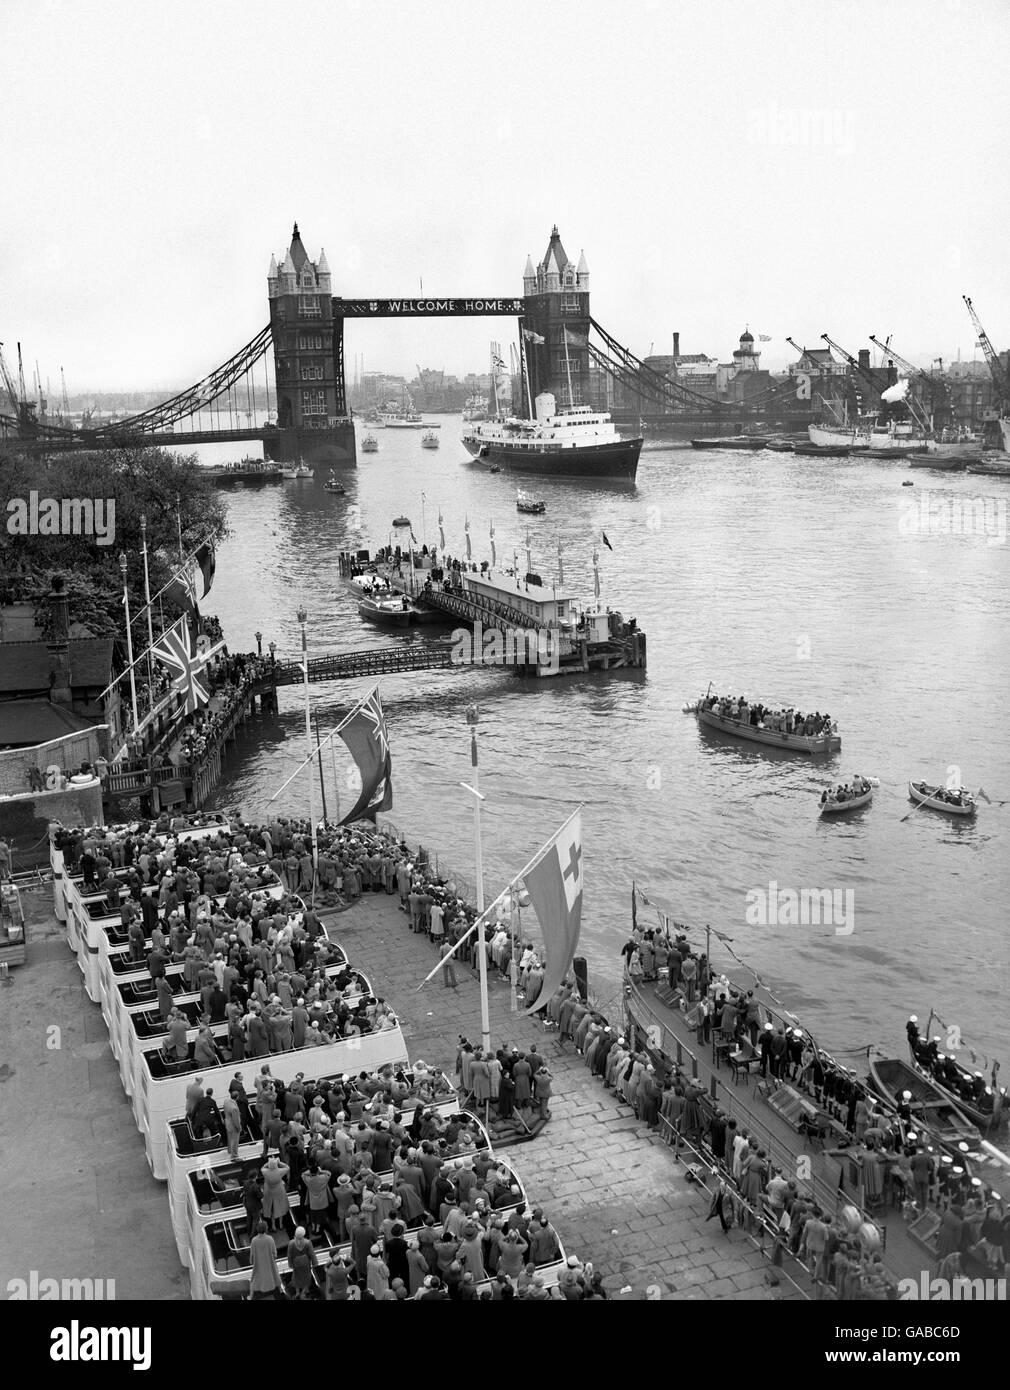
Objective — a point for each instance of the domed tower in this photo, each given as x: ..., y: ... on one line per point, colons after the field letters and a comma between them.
x: 557, y: 310
x: 745, y: 359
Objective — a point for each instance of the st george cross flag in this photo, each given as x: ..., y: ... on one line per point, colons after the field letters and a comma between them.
x: 364, y: 732
x: 175, y: 650
x: 555, y: 885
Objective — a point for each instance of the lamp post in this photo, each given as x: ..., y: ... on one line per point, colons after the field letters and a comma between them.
x: 303, y: 618
x: 259, y: 643
x: 129, y: 641
x: 472, y: 719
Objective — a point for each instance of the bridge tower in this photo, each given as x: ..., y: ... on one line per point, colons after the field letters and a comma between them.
x: 557, y: 304
x: 312, y: 422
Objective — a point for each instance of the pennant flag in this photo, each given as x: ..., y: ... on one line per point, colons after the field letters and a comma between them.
x: 413, y: 538
x: 555, y: 885
x: 466, y: 527
x: 606, y: 542
x: 206, y: 558
x: 984, y: 796
x: 494, y: 557
x: 536, y: 339
x: 441, y: 531
x: 364, y: 732
x: 174, y: 649
x: 764, y: 337
x: 634, y: 908
x: 181, y: 588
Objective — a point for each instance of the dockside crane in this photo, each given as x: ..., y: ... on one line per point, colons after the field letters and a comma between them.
x: 22, y: 407
x: 915, y: 373
x: 996, y: 371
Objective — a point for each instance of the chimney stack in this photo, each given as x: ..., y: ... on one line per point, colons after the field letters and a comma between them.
x: 864, y: 359
x: 676, y: 345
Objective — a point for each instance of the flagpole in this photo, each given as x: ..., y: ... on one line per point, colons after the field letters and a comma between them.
x: 303, y: 618
x: 147, y: 605
x: 472, y: 718
x: 319, y: 756
x: 129, y: 640
x: 178, y: 521
x: 336, y: 784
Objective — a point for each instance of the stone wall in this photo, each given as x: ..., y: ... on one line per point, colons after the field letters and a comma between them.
x: 24, y: 820
x: 68, y: 753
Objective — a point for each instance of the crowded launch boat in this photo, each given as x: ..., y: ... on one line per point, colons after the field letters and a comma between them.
x: 530, y: 504
x: 572, y: 442
x: 848, y: 796
x: 779, y: 728
x: 953, y: 801
x: 429, y: 440
x: 369, y: 444
x: 984, y: 1103
x: 921, y: 1100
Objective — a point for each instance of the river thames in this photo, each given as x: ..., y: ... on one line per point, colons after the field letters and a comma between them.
x: 788, y: 579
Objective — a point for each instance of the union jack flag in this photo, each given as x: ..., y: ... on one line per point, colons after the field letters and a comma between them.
x: 174, y: 649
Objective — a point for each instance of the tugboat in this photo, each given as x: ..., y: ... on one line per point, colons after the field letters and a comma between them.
x: 369, y: 445
x: 429, y: 440
x: 531, y: 505
x: 577, y: 442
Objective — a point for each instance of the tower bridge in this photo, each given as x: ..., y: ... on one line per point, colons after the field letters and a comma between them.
x: 565, y: 352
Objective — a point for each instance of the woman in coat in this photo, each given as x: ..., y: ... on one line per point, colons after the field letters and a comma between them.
x: 275, y: 1197
x: 302, y: 1259
x: 506, y: 1095
x: 376, y: 1273
x: 480, y: 1079
x: 265, y: 1280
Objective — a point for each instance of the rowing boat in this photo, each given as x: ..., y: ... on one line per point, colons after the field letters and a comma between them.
x: 930, y: 1107
x: 832, y: 807
x: 930, y: 796
x: 799, y: 743
x: 985, y: 1120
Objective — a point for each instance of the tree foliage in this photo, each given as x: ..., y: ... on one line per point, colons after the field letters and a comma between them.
x: 141, y: 482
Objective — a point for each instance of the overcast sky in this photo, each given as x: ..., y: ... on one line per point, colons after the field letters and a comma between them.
x: 799, y: 168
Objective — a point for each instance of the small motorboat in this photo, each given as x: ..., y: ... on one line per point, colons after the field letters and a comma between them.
x: 832, y: 804
x: 931, y: 1109
x: 429, y: 440
x: 939, y: 799
x: 369, y: 445
x: 531, y: 505
x: 908, y: 483
x: 396, y: 610
x: 955, y: 1081
x: 333, y: 485
x: 402, y: 521
x: 493, y: 468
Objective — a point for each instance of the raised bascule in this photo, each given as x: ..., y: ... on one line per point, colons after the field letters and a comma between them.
x: 565, y: 352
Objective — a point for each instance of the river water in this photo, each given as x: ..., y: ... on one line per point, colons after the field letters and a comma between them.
x: 785, y: 578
